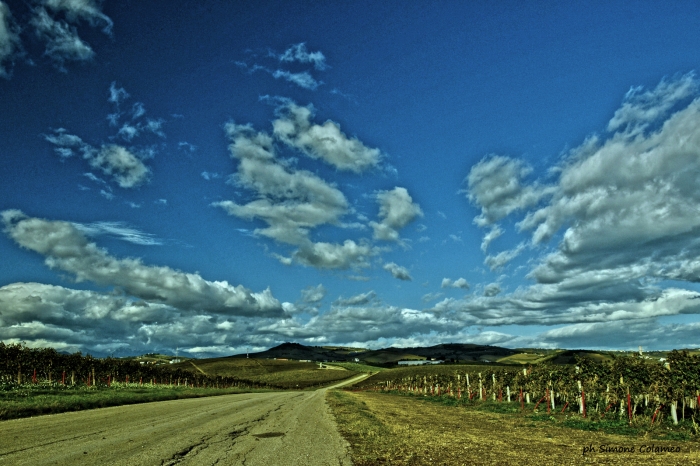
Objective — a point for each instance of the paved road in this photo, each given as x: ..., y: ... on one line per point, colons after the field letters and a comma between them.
x: 267, y: 429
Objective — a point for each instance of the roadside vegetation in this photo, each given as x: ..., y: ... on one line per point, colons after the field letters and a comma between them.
x: 386, y: 428
x: 34, y: 400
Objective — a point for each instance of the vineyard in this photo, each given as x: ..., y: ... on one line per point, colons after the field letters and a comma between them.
x: 626, y: 388
x: 22, y: 366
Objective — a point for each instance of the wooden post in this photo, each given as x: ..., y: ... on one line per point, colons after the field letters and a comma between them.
x: 508, y: 393
x: 580, y: 396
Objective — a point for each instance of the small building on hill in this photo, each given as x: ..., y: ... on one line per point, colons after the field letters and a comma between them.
x: 418, y: 362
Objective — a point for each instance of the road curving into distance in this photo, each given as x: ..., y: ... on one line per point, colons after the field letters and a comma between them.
x: 276, y: 428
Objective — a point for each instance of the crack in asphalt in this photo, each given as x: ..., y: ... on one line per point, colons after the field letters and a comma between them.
x: 231, y: 438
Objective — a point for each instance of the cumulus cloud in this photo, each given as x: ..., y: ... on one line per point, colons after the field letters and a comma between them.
x: 66, y: 248
x: 104, y: 323
x: 628, y: 202
x: 623, y: 209
x: 492, y: 289
x: 326, y: 142
x: 299, y: 53
x: 396, y: 210
x: 397, y: 271
x: 459, y: 283
x: 290, y: 201
x: 361, y: 323
x: 641, y: 108
x: 495, y: 184
x: 124, y: 167
x: 333, y: 255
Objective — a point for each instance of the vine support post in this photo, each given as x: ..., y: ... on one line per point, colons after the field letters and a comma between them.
x: 508, y: 393
x: 493, y: 385
x: 674, y: 414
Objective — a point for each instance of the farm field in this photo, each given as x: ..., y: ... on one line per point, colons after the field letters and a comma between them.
x: 273, y: 372
x: 435, y: 370
x: 401, y: 430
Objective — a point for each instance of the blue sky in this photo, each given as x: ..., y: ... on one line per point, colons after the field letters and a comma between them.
x: 228, y: 175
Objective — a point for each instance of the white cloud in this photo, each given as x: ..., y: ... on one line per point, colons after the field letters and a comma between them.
x: 397, y: 271
x: 210, y: 175
x: 299, y: 53
x: 291, y: 202
x: 497, y: 261
x: 126, y: 169
x: 431, y: 297
x: 137, y: 110
x: 495, y: 185
x: 117, y: 94
x: 313, y: 294
x: 302, y: 79
x: 123, y: 164
x: 102, y: 323
x: 623, y: 207
x: 492, y: 289
x: 333, y: 255
x: 396, y: 210
x: 10, y: 42
x: 495, y: 232
x: 119, y: 230
x: 66, y: 248
x: 459, y: 283
x: 67, y: 143
x: 62, y: 40
x: 87, y: 10
x: 641, y: 108
x: 326, y: 142
x: 357, y: 300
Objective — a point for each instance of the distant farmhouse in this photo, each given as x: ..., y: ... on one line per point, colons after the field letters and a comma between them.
x: 421, y: 362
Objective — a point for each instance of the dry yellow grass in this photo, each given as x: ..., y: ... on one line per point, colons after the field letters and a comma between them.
x: 395, y: 430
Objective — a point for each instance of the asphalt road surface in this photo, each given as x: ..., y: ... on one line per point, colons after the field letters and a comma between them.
x: 267, y: 429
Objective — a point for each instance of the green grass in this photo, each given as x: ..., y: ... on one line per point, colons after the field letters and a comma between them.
x: 640, y: 426
x: 357, y: 367
x: 34, y: 401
